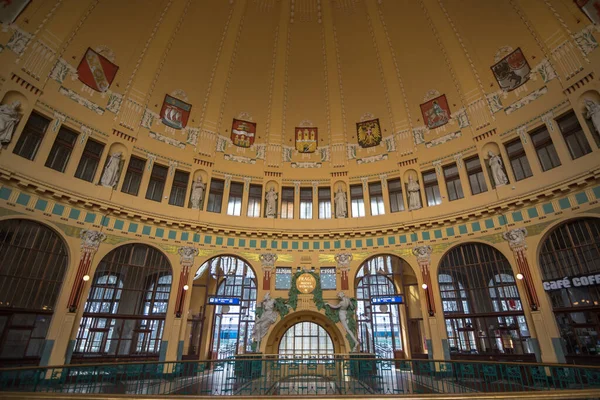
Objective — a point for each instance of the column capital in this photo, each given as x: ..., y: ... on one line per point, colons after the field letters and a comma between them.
x: 516, y: 239
x: 90, y: 240
x: 187, y: 255
x: 343, y: 260
x: 268, y: 260
x: 423, y: 254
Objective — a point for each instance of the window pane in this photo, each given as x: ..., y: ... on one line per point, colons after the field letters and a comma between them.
x: 283, y: 278
x: 29, y: 142
x: 234, y: 205
x: 156, y: 186
x: 88, y: 164
x: 61, y: 150
x: 395, y: 192
x: 574, y: 136
x: 179, y: 188
x: 133, y: 176
x: 215, y: 196
x: 254, y: 200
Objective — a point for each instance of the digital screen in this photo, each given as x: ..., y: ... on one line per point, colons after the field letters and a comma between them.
x: 397, y: 299
x: 224, y: 301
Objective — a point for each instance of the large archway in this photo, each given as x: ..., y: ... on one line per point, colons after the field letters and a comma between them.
x: 125, y: 311
x: 230, y: 326
x: 389, y: 330
x: 33, y: 262
x: 481, y: 304
x: 273, y: 341
x: 572, y: 250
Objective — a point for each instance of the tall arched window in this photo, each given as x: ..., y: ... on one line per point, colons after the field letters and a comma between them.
x: 33, y: 261
x: 573, y: 250
x: 481, y: 304
x: 125, y: 311
x: 379, y: 325
x: 306, y: 339
x: 232, y: 324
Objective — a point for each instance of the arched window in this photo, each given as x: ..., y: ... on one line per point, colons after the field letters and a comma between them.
x: 33, y: 261
x: 379, y: 326
x: 125, y: 311
x: 573, y: 250
x: 481, y: 304
x: 306, y: 339
x: 232, y: 324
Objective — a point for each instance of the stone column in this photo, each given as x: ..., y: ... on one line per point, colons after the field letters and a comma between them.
x: 90, y: 242
x: 186, y: 260
x: 267, y: 261
x: 516, y: 241
x: 423, y: 254
x: 343, y: 264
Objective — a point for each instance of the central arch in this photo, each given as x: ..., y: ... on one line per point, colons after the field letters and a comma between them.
x: 273, y: 342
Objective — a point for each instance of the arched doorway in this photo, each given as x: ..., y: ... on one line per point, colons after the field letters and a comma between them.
x: 33, y: 262
x: 306, y: 340
x: 572, y: 250
x: 482, y: 307
x: 232, y: 325
x: 125, y: 311
x: 381, y: 326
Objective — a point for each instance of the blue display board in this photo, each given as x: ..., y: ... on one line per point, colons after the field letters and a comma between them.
x: 396, y: 299
x: 223, y: 301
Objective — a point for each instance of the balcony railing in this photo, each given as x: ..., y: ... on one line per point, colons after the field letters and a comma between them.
x: 257, y: 375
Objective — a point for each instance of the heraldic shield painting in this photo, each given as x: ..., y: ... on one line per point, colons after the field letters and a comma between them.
x: 436, y: 112
x: 512, y: 71
x: 369, y: 133
x: 10, y: 10
x: 175, y: 113
x: 243, y: 132
x: 96, y: 71
x: 306, y: 139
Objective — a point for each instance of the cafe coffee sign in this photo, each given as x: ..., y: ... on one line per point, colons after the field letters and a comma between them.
x: 572, y: 282
x: 306, y: 283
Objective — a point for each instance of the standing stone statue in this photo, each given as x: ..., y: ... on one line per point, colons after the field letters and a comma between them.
x: 593, y: 113
x: 268, y: 318
x: 498, y: 174
x: 344, y: 306
x: 414, y: 194
x: 341, y: 204
x: 271, y: 203
x: 110, y: 176
x: 197, y: 196
x: 9, y: 118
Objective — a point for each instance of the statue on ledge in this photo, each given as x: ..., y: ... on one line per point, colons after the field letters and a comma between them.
x: 9, y: 118
x: 345, y: 305
x: 341, y: 207
x: 271, y: 203
x: 264, y: 322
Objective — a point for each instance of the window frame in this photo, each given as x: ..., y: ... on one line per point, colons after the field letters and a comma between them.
x: 29, y: 133
x: 287, y: 202
x: 452, y: 179
x: 475, y: 172
x: 88, y: 156
x: 215, y: 196
x: 518, y: 157
x: 376, y: 198
x: 432, y: 188
x: 61, y: 144
x: 132, y: 173
x: 178, y: 194
x: 234, y: 202
x: 545, y: 146
x: 254, y: 201
x: 156, y: 180
x: 357, y: 201
x: 324, y: 202
x: 395, y: 195
x: 577, y: 132
x: 306, y: 205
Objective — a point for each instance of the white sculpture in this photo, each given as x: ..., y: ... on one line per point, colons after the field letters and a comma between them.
x: 197, y: 193
x: 9, y: 118
x: 341, y: 204
x: 593, y: 113
x: 110, y: 176
x: 271, y: 203
x: 90, y: 240
x: 414, y: 194
x: 344, y: 306
x: 498, y: 174
x: 516, y: 238
x: 268, y: 318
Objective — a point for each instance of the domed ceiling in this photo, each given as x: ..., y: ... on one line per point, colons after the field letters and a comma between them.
x: 380, y: 80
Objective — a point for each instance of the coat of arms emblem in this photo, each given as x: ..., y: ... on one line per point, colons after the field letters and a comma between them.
x: 591, y: 8
x: 436, y: 112
x: 368, y: 132
x: 96, y: 71
x: 175, y: 113
x: 512, y: 71
x: 306, y: 139
x: 243, y: 132
x: 11, y: 9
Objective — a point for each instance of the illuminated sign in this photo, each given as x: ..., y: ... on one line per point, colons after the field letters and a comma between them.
x: 572, y: 282
x: 397, y: 299
x: 224, y: 301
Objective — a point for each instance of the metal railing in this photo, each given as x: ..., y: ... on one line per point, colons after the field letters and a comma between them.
x: 257, y: 375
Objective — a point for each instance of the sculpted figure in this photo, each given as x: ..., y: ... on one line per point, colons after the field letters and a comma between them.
x: 9, y: 118
x: 341, y: 207
x: 344, y: 306
x: 197, y: 193
x: 271, y: 203
x: 268, y: 318
x: 498, y: 174
x: 110, y: 176
x: 414, y: 194
x: 593, y: 113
